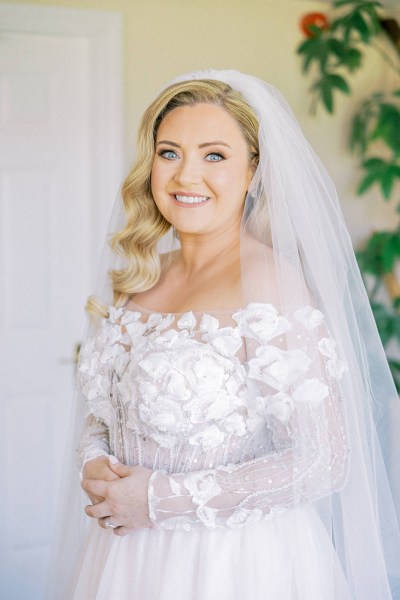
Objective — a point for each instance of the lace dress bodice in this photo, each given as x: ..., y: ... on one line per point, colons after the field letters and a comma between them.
x: 236, y: 427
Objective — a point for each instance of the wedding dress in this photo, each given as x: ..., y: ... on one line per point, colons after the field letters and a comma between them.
x: 212, y: 403
x: 272, y: 430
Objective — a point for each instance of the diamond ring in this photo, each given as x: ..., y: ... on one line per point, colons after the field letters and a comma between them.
x: 108, y: 523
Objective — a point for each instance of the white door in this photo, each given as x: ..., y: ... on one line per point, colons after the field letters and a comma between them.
x: 51, y: 220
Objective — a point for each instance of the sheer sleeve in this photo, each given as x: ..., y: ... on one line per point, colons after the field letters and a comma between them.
x: 94, y: 442
x: 100, y: 360
x: 297, y: 395
x: 93, y: 381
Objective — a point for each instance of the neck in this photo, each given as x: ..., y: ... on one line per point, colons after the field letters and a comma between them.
x: 199, y: 250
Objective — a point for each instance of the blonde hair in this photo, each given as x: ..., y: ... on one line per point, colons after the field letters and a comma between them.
x: 137, y: 241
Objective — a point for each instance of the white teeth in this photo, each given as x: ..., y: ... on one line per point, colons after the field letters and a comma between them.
x: 191, y: 199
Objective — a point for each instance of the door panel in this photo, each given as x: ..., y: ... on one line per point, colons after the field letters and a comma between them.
x: 49, y: 228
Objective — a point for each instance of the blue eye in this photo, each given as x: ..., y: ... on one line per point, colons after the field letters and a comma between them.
x: 168, y: 154
x: 215, y: 157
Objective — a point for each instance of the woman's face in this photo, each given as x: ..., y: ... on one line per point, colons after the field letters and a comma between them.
x: 201, y: 169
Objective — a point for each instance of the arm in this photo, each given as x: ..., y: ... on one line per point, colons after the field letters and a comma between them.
x: 93, y: 378
x: 94, y: 442
x: 304, y: 414
x: 97, y: 359
x: 236, y: 495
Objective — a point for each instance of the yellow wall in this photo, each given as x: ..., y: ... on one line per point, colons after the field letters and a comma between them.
x: 164, y: 38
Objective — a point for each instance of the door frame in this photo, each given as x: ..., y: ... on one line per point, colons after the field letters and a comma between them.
x: 103, y: 31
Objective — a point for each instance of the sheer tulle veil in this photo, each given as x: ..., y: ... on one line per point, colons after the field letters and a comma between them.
x: 296, y: 251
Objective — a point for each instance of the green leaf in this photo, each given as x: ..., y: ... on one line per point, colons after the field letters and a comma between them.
x: 327, y: 96
x: 386, y: 182
x: 358, y: 134
x: 337, y: 47
x: 374, y: 163
x: 380, y: 253
x: 367, y: 182
x: 381, y: 172
x: 359, y: 23
x: 387, y: 127
x: 353, y: 59
x: 314, y: 49
x: 338, y: 3
x: 339, y: 82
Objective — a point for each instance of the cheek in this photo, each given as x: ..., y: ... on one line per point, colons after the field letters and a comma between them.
x: 156, y: 179
x: 236, y: 179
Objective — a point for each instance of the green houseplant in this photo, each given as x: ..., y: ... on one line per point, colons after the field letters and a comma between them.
x: 332, y: 52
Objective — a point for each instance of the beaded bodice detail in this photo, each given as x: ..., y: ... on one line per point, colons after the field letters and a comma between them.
x: 236, y: 426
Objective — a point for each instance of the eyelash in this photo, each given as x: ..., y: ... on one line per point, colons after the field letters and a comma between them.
x: 162, y: 153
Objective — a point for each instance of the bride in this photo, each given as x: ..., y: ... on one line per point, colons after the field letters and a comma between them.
x: 233, y: 382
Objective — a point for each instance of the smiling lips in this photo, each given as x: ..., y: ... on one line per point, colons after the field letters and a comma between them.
x: 190, y: 200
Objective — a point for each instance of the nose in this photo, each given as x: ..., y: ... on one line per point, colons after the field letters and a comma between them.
x: 188, y: 171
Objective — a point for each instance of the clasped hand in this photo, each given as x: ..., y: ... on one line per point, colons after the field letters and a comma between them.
x: 118, y: 493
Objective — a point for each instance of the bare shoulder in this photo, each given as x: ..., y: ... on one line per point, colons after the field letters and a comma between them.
x: 257, y: 259
x: 268, y: 277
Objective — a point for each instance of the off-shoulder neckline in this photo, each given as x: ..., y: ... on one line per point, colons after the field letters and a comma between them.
x: 132, y: 306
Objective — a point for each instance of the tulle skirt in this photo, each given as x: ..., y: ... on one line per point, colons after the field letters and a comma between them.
x: 289, y: 557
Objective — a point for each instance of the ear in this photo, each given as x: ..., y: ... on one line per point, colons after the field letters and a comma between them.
x: 250, y: 172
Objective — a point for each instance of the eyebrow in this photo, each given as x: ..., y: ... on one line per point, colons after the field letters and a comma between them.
x: 204, y: 145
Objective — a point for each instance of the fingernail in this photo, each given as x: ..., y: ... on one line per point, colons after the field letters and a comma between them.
x: 113, y: 460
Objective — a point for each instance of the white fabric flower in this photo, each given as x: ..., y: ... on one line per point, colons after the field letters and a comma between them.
x: 261, y: 322
x: 148, y: 390
x: 226, y: 341
x: 209, y: 437
x: 187, y: 321
x: 170, y: 339
x: 312, y: 392
x: 176, y: 386
x: 278, y: 368
x: 281, y: 406
x: 208, y: 374
x: 309, y: 317
x: 155, y: 365
x: 221, y: 406
x: 327, y: 347
x: 336, y: 368
x: 115, y: 314
x: 102, y: 409
x: 208, y: 324
x: 207, y: 515
x: 242, y: 517
x: 235, y: 424
x: 153, y: 320
x: 165, y: 416
x: 130, y: 316
x: 135, y: 329
x: 202, y: 486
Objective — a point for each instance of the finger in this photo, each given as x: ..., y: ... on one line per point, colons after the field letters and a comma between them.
x: 96, y: 487
x: 122, y: 531
x: 104, y: 520
x: 98, y: 511
x: 119, y: 468
x: 95, y: 499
